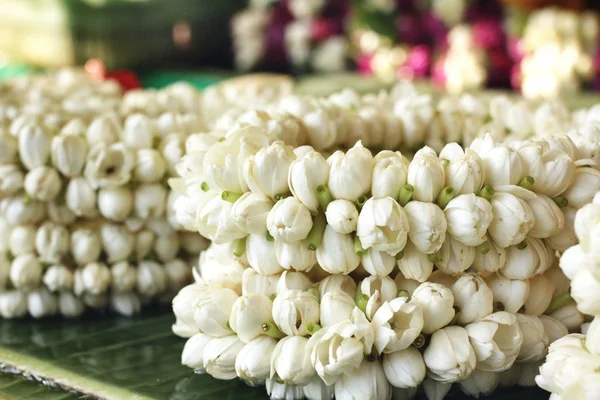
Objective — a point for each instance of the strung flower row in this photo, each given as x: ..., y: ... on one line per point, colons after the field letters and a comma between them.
x: 355, y: 209
x: 285, y: 330
x: 571, y: 369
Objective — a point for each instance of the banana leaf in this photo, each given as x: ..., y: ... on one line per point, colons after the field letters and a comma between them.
x: 112, y: 357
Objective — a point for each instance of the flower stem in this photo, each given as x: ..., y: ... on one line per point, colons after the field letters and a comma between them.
x: 527, y: 182
x: 358, y: 249
x: 406, y: 194
x: 361, y: 302
x: 230, y: 196
x: 312, y: 328
x: 445, y: 196
x: 272, y: 297
x: 204, y: 186
x: 522, y: 245
x: 240, y: 247
x: 487, y: 193
x: 561, y: 201
x: 324, y: 196
x: 270, y: 329
x: 399, y: 255
x: 484, y: 247
x: 435, y: 257
x: 315, y: 236
x: 360, y: 202
x: 558, y: 302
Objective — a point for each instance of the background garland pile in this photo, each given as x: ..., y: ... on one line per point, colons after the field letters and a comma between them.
x: 339, y: 271
x: 86, y: 214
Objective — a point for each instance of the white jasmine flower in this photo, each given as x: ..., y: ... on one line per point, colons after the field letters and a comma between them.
x: 248, y: 315
x: 137, y: 132
x: 496, y: 340
x: 383, y: 225
x: 93, y: 278
x: 450, y: 356
x: 11, y: 179
x: 390, y: 173
x: 566, y: 238
x: 455, y: 257
x: 318, y: 390
x: 535, y: 339
x: 34, y: 146
x: 427, y: 226
x: 80, y: 197
x: 336, y: 253
x: 337, y: 283
x: 397, y: 324
x: 342, y: 216
x: 414, y: 264
x: 296, y: 255
x: 166, y: 247
x: 266, y: 173
x: 554, y: 328
x: 524, y: 263
x: 193, y: 352
x: 212, y: 309
x: 339, y: 349
x: 473, y: 298
x: 25, y: 272
x: 149, y: 166
x: 42, y: 183
x: 513, y: 219
x: 151, y: 279
x: 306, y: 175
x: 426, y: 175
x: 102, y: 130
x: 69, y: 154
x: 250, y: 212
x: 350, y: 173
x: 549, y: 219
x: 468, y: 217
x: 436, y: 390
x: 569, y: 316
x: 115, y: 203
x: 295, y: 312
x: 85, y: 246
x: 13, y: 304
x: 21, y: 240
x: 213, y: 219
x: 253, y: 282
x: 253, y: 362
x: 436, y: 303
x: 378, y: 263
x: 502, y: 166
x: 404, y: 368
x: 123, y: 276
x: 367, y: 382
x: 585, y: 288
x: 336, y: 306
x: 51, y: 242
x: 553, y: 171
x: 293, y: 281
x: 585, y: 185
x: 220, y: 355
x: 480, y: 383
x: 41, y: 303
x: 60, y: 213
x: 289, y: 220
x: 283, y: 391
x: 261, y: 255
x: 108, y: 165
x: 118, y: 243
x: 541, y: 289
x: 464, y: 174
x: 290, y: 361
x: 509, y: 294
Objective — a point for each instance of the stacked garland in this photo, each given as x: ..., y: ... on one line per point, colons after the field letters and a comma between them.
x: 571, y: 370
x: 85, y: 210
x: 361, y: 274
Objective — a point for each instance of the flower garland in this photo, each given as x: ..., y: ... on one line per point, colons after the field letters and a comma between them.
x: 360, y: 275
x: 572, y: 367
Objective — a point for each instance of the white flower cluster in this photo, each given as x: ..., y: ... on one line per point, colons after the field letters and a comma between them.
x: 85, y: 215
x: 464, y: 64
x: 558, y: 46
x: 572, y: 368
x: 354, y: 275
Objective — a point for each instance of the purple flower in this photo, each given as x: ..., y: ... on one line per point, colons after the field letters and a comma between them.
x: 410, y: 29
x: 488, y: 34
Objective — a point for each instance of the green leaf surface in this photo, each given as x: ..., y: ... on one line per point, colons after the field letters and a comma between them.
x: 114, y: 357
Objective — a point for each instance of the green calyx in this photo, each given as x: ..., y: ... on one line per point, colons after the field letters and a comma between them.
x: 204, y: 186
x: 270, y: 329
x: 406, y: 194
x: 240, y: 247
x: 487, y: 193
x: 445, y: 196
x: 399, y: 255
x: 358, y: 248
x: 527, y: 182
x: 230, y: 196
x: 361, y: 302
x: 484, y: 247
x: 435, y: 257
x: 561, y: 201
x: 558, y: 302
x: 360, y: 202
x: 315, y: 236
x: 312, y: 328
x: 324, y: 196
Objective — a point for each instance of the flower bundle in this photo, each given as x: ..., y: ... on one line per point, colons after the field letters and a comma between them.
x: 358, y: 275
x: 85, y: 214
x: 571, y: 370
